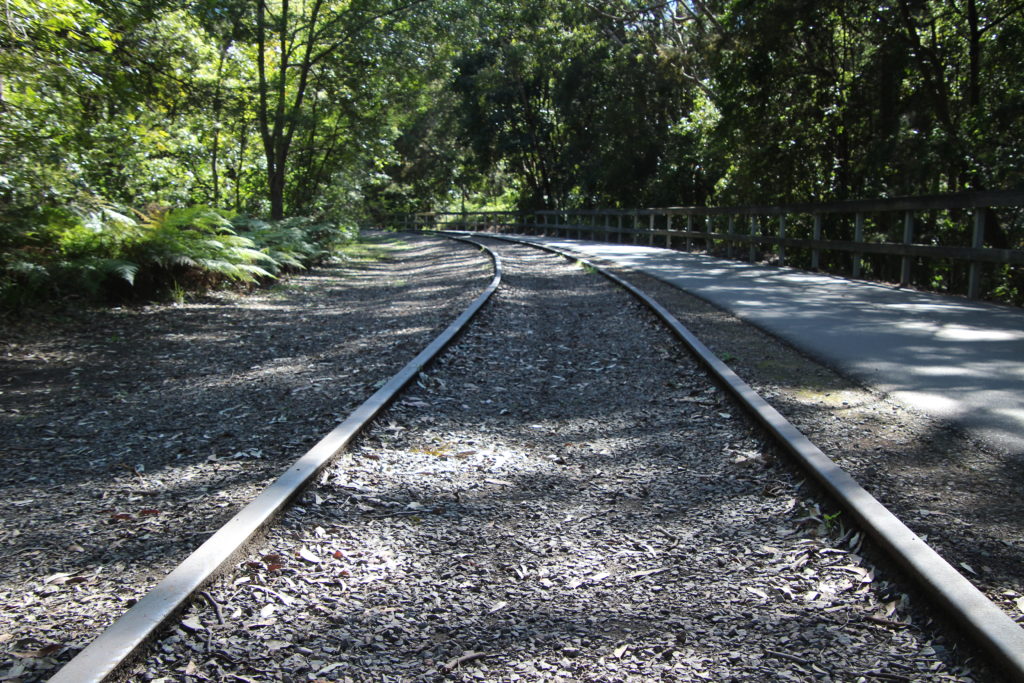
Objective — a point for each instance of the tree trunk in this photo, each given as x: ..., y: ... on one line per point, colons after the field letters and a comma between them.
x: 974, y: 56
x: 215, y: 147
x: 275, y: 179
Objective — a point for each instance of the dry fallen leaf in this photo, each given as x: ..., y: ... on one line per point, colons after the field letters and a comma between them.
x: 44, y: 651
x: 328, y: 669
x: 648, y: 572
x: 192, y: 624
x: 57, y: 579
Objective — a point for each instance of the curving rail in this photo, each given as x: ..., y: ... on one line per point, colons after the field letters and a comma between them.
x: 116, y: 645
x: 991, y: 627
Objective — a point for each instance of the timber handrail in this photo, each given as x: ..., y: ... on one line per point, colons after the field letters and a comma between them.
x: 763, y: 232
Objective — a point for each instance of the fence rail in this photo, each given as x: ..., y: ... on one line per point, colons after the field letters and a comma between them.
x: 863, y: 238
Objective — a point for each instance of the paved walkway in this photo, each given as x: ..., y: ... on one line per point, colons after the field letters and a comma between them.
x: 956, y: 359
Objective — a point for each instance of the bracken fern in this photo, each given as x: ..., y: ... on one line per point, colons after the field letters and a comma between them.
x: 100, y: 251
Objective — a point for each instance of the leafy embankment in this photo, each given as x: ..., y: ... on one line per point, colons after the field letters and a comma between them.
x: 102, y: 254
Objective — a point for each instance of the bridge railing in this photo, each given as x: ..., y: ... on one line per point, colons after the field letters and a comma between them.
x: 950, y: 240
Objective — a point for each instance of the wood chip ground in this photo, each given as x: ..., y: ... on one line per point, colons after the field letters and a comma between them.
x: 564, y: 497
x: 127, y: 436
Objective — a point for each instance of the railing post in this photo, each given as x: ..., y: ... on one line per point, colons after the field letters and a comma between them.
x: 753, y: 244
x: 607, y: 228
x: 908, y: 238
x: 977, y: 242
x: 689, y: 229
x: 709, y: 243
x: 858, y: 236
x: 618, y: 229
x: 668, y: 229
x: 782, y: 237
x: 651, y: 227
x: 730, y: 230
x: 816, y: 252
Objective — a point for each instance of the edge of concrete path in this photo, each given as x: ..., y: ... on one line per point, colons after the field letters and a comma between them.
x: 109, y: 652
x: 991, y: 627
x: 1000, y: 436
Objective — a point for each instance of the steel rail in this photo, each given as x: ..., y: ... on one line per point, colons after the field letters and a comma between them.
x: 990, y: 626
x: 116, y: 645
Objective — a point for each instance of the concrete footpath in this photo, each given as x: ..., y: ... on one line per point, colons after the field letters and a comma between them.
x: 950, y: 357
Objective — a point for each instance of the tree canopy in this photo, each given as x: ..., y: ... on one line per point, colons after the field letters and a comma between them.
x: 348, y: 109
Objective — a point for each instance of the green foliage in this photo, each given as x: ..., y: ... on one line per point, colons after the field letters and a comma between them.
x: 106, y: 253
x: 348, y: 110
x: 294, y: 243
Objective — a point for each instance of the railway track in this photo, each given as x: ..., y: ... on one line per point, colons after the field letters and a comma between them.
x: 563, y: 494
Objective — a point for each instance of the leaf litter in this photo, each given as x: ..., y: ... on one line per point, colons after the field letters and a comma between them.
x: 130, y: 435
x: 598, y: 526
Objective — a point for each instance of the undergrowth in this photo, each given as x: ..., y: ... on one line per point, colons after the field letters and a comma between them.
x: 100, y: 253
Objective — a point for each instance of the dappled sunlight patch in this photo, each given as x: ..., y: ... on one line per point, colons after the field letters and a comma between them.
x: 152, y: 427
x: 582, y: 505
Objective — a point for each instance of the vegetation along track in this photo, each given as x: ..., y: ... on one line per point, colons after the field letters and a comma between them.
x: 564, y: 495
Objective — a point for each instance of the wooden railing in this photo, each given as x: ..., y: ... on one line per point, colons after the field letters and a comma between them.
x: 884, y: 239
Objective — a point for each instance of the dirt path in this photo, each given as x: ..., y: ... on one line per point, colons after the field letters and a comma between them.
x: 950, y: 488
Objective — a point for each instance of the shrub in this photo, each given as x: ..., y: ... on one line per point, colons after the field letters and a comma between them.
x: 294, y: 243
x: 100, y: 252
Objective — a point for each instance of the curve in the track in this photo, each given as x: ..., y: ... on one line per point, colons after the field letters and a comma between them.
x: 116, y: 645
x: 991, y: 627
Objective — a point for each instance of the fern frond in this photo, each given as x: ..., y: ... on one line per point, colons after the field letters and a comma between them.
x: 126, y: 270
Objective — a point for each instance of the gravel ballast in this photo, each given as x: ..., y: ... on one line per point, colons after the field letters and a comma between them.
x: 959, y: 493
x: 128, y: 436
x: 562, y: 497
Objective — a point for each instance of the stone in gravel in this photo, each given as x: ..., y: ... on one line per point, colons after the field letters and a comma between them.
x: 620, y: 524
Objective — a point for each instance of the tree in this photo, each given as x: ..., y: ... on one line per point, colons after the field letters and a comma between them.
x: 296, y: 48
